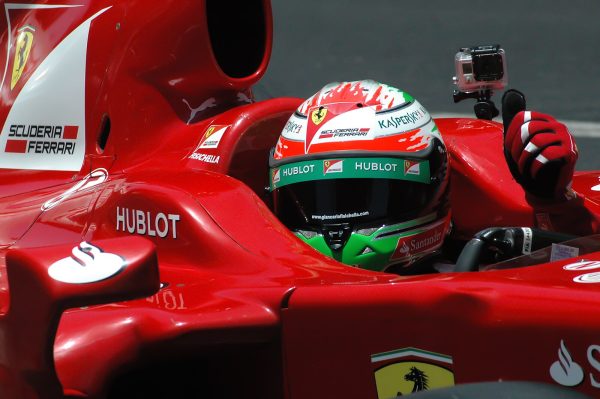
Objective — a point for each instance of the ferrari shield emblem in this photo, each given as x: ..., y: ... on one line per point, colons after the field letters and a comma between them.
x: 318, y: 115
x: 409, y: 370
x: 276, y: 176
x: 209, y: 132
x: 333, y: 166
x: 412, y: 168
x: 22, y: 49
x: 212, y: 137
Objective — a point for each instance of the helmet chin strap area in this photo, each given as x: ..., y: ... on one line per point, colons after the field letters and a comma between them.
x: 336, y: 235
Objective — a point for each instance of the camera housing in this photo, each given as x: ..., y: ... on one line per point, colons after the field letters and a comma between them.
x: 480, y: 68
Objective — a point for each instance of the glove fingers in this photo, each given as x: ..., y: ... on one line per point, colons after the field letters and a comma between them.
x: 549, y: 168
x: 540, y: 153
x: 528, y: 131
x: 552, y: 153
x: 544, y: 147
x: 517, y: 131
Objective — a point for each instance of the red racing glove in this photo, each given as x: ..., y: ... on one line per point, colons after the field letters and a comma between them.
x: 540, y: 152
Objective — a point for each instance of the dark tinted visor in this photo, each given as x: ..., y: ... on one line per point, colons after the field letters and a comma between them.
x: 355, y: 201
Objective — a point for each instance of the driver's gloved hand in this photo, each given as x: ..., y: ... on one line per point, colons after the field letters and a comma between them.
x: 540, y: 151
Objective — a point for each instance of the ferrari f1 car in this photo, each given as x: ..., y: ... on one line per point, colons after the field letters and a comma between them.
x: 139, y: 256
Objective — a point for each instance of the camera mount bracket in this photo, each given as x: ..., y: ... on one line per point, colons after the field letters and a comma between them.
x: 484, y: 107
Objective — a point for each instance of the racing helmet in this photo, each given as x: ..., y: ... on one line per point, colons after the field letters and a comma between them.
x: 360, y: 173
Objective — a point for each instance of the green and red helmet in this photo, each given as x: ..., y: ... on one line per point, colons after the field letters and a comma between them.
x: 360, y: 172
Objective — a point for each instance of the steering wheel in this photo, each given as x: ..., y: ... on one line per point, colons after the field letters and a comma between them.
x: 505, y: 243
x: 500, y: 240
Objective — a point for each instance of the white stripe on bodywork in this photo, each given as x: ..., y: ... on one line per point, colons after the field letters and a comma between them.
x: 411, y: 352
x: 53, y: 95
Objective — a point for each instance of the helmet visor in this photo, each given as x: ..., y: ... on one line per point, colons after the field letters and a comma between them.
x: 356, y: 201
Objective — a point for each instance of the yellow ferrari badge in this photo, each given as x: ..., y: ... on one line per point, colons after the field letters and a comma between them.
x: 409, y: 370
x: 22, y: 49
x: 318, y: 115
x: 209, y: 132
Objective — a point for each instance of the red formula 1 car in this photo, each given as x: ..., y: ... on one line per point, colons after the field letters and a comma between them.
x: 139, y: 256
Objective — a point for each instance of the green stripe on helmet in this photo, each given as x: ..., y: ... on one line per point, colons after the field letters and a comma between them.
x: 360, y: 250
x: 350, y: 168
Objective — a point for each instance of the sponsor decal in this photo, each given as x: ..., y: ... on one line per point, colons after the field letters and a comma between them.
x: 586, y: 278
x: 168, y: 299
x: 333, y: 166
x: 567, y: 372
x: 276, y: 176
x: 337, y: 125
x: 291, y: 127
x: 352, y: 168
x: 339, y: 133
x: 97, y: 176
x: 376, y: 166
x: 135, y: 221
x: 341, y: 216
x: 42, y: 139
x: 22, y: 49
x: 410, y: 118
x: 209, y: 132
x: 409, y: 370
x: 51, y: 126
x: 527, y: 240
x: 318, y: 115
x: 422, y: 240
x: 402, y: 251
x: 297, y: 170
x: 207, y: 158
x: 212, y: 137
x: 87, y: 264
x: 412, y: 167
x: 210, y: 103
x: 582, y: 265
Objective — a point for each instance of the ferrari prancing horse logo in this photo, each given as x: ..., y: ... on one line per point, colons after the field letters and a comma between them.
x: 318, y: 115
x: 208, y: 133
x: 22, y: 49
x: 409, y: 370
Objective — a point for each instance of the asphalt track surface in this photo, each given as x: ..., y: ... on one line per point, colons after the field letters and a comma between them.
x: 553, y: 52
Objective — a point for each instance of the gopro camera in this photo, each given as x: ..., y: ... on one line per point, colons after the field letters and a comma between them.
x: 480, y: 68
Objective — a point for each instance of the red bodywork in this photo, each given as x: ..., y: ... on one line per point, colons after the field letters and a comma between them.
x: 175, y: 151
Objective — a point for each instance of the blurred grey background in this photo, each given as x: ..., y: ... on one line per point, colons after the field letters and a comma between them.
x: 553, y: 52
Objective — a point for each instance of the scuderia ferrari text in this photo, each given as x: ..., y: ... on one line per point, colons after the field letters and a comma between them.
x: 42, y: 139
